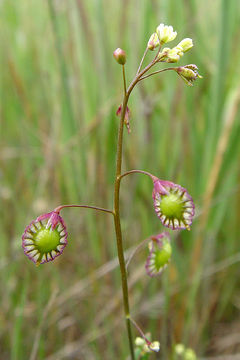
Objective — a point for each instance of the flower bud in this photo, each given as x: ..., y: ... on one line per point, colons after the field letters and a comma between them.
x: 120, y: 56
x: 126, y: 118
x: 189, y: 73
x: 185, y: 44
x: 143, y: 344
x: 190, y: 355
x: 179, y: 349
x: 165, y: 33
x: 173, y: 205
x: 153, y: 42
x: 154, y: 346
x: 171, y: 55
x: 139, y: 341
x: 45, y: 238
x: 160, y: 254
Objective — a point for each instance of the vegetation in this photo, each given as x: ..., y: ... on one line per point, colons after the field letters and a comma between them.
x: 60, y: 92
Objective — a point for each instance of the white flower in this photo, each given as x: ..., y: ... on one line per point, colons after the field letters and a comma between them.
x: 155, y: 346
x: 165, y: 33
x: 185, y: 44
x: 139, y: 341
x: 171, y: 55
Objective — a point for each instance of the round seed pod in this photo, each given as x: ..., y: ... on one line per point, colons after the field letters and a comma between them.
x: 45, y: 238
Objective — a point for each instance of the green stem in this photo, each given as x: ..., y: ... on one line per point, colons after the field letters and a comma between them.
x: 157, y: 72
x: 139, y: 75
x: 124, y: 80
x: 140, y: 331
x: 136, y: 172
x: 117, y: 221
x: 141, y: 62
x: 59, y: 208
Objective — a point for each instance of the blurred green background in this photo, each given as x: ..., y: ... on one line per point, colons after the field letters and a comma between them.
x: 60, y: 88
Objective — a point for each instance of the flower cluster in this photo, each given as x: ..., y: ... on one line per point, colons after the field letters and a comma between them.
x: 173, y: 55
x: 144, y: 346
x: 165, y: 34
x: 45, y: 238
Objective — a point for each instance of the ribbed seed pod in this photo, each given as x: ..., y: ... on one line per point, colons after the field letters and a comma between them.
x: 45, y: 238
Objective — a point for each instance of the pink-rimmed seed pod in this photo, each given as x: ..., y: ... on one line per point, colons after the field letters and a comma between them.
x: 173, y: 204
x: 160, y: 252
x: 45, y: 238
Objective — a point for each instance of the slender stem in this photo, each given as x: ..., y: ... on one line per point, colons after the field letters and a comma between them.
x: 124, y: 80
x: 156, y: 56
x: 137, y: 248
x: 136, y: 172
x: 140, y: 331
x: 59, y: 208
x: 141, y: 62
x: 117, y: 222
x: 156, y: 72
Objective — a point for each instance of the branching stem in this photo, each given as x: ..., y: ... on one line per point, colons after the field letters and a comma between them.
x: 140, y: 331
x: 116, y: 209
x: 141, y: 62
x: 156, y: 72
x: 118, y: 176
